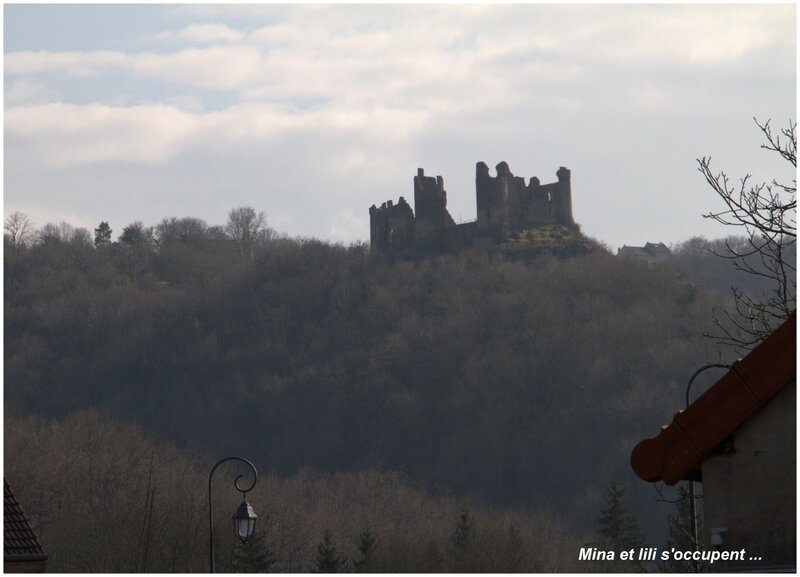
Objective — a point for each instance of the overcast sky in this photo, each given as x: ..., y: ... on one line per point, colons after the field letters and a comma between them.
x: 313, y: 113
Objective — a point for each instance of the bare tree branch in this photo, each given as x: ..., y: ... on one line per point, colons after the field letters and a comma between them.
x: 18, y: 230
x: 768, y: 213
x: 246, y: 228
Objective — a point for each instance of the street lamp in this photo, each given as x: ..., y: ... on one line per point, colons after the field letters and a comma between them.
x: 692, y: 504
x: 244, y: 519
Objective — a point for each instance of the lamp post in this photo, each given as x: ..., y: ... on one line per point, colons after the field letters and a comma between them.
x: 244, y: 519
x: 692, y: 506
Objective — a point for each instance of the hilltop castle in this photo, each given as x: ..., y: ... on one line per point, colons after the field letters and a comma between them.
x: 512, y: 215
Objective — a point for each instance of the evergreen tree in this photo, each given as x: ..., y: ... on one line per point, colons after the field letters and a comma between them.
x: 102, y: 234
x: 254, y: 555
x: 619, y: 529
x: 462, y: 534
x: 327, y: 560
x: 463, y: 554
x: 367, y: 543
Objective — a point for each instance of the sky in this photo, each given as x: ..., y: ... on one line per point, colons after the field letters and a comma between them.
x: 312, y: 113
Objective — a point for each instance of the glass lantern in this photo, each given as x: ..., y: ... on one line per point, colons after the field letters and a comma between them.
x: 244, y: 521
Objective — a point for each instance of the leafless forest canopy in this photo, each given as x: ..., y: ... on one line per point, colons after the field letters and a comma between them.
x: 387, y: 397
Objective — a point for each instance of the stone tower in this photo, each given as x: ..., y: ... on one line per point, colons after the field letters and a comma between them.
x: 561, y: 198
x: 491, y: 197
x: 430, y: 203
x: 391, y: 227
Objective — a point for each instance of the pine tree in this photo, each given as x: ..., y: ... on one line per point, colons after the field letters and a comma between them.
x: 367, y: 543
x: 102, y: 234
x: 619, y: 529
x: 327, y: 560
x: 254, y: 555
x: 462, y: 534
x: 463, y: 554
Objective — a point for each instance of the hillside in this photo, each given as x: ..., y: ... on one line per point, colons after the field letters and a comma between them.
x: 510, y: 383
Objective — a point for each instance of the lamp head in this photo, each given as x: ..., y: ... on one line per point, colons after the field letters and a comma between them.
x: 244, y: 521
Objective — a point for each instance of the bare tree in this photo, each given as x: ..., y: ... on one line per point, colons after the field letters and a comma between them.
x: 246, y: 228
x: 185, y: 230
x: 52, y: 233
x: 767, y: 212
x: 82, y: 237
x: 18, y: 231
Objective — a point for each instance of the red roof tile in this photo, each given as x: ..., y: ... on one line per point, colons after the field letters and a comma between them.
x: 694, y: 433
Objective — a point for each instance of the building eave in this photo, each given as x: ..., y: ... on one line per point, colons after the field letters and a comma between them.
x: 694, y: 434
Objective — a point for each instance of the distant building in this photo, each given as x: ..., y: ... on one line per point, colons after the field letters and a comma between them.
x: 649, y: 254
x: 22, y: 552
x: 739, y: 440
x: 511, y: 215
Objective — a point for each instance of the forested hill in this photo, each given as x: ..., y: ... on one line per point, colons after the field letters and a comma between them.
x: 520, y: 384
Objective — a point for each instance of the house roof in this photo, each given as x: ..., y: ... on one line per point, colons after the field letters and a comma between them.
x: 19, y: 540
x: 751, y: 383
x: 648, y: 250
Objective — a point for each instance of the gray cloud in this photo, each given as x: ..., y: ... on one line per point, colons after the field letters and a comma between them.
x: 334, y: 107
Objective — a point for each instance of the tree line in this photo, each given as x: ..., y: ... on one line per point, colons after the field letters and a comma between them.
x: 107, y: 497
x: 513, y: 384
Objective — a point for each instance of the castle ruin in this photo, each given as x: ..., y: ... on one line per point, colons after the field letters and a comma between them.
x: 510, y: 214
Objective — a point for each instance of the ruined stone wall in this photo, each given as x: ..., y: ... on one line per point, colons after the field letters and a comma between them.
x: 537, y: 210
x: 460, y: 236
x: 505, y: 204
x: 392, y: 226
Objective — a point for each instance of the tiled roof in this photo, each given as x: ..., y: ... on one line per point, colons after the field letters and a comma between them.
x: 694, y: 433
x: 19, y: 540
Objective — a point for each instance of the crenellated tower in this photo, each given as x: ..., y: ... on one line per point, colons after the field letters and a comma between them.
x: 507, y: 209
x: 562, y: 198
x: 494, y: 200
x: 391, y: 227
x: 432, y: 217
